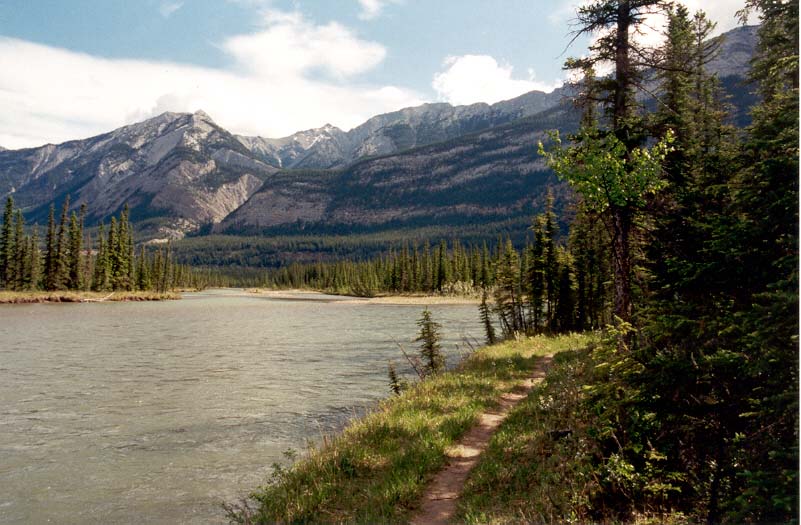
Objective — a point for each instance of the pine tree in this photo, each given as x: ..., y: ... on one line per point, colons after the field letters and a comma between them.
x: 142, y: 272
x: 766, y: 241
x: 60, y: 270
x: 395, y: 383
x: 508, y: 300
x: 74, y: 263
x: 6, y: 247
x: 16, y: 275
x: 51, y: 252
x: 486, y: 319
x: 550, y: 267
x: 430, y: 351
x: 101, y: 280
x: 610, y: 168
x: 35, y: 258
x: 535, y: 276
x: 443, y: 268
x: 565, y: 300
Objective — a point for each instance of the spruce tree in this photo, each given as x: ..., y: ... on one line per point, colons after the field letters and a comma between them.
x: 102, y: 272
x: 16, y: 275
x: 6, y: 247
x: 611, y: 168
x: 74, y: 263
x: 508, y: 300
x: 485, y: 315
x: 430, y: 351
x: 550, y: 263
x: 60, y: 270
x: 35, y: 256
x: 766, y: 241
x: 51, y: 252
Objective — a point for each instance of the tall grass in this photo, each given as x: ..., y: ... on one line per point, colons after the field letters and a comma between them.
x: 377, y: 468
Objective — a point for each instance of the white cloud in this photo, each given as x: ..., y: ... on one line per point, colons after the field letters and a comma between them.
x: 371, y: 9
x: 292, y: 45
x: 289, y: 76
x: 168, y: 7
x: 479, y: 78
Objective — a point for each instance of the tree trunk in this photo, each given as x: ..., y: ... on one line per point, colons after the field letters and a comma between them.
x: 623, y: 78
x: 621, y: 260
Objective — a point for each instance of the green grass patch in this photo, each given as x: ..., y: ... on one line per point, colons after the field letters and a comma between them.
x: 536, y: 468
x: 377, y: 468
x: 546, y: 464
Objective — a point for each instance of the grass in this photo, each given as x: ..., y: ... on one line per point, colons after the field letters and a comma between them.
x: 536, y: 468
x: 376, y: 469
x: 24, y: 297
x: 544, y: 463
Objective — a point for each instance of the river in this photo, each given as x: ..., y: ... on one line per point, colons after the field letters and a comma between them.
x: 157, y: 412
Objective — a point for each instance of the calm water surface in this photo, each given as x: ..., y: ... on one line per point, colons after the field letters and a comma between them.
x: 157, y: 412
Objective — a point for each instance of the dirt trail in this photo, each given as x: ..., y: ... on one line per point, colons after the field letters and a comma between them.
x: 438, y: 504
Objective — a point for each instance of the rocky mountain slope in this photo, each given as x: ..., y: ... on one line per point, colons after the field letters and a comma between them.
x: 176, y: 172
x: 435, y: 163
x: 330, y: 147
x: 488, y: 171
x: 483, y: 177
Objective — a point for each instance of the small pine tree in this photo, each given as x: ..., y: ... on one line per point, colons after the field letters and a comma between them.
x: 430, y: 351
x: 486, y: 319
x: 396, y: 384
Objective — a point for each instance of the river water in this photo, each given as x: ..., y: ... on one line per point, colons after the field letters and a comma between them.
x: 157, y: 412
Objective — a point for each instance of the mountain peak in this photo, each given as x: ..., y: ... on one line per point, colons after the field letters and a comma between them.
x: 200, y: 114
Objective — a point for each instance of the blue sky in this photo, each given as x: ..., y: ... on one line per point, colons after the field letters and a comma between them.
x: 270, y: 67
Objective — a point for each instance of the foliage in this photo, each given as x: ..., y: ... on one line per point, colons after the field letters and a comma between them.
x: 605, y: 172
x: 430, y: 350
x: 693, y: 402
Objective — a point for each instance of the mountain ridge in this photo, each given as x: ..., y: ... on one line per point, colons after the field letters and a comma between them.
x: 182, y: 173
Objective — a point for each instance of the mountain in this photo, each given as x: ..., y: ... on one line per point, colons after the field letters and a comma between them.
x: 736, y: 49
x: 330, y: 147
x: 183, y: 174
x: 176, y: 171
x: 443, y: 165
x: 487, y: 176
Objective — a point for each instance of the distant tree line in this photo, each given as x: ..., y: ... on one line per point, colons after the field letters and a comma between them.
x: 67, y: 261
x: 546, y: 286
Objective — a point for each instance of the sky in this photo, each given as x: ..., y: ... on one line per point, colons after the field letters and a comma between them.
x: 78, y: 68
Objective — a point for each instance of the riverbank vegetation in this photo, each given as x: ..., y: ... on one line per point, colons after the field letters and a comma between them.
x: 376, y: 470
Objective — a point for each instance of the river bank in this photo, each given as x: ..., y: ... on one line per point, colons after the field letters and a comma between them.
x: 30, y: 297
x: 377, y: 469
x: 411, y: 300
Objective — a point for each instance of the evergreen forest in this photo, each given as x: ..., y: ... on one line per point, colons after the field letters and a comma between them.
x: 694, y: 394
x: 67, y: 259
